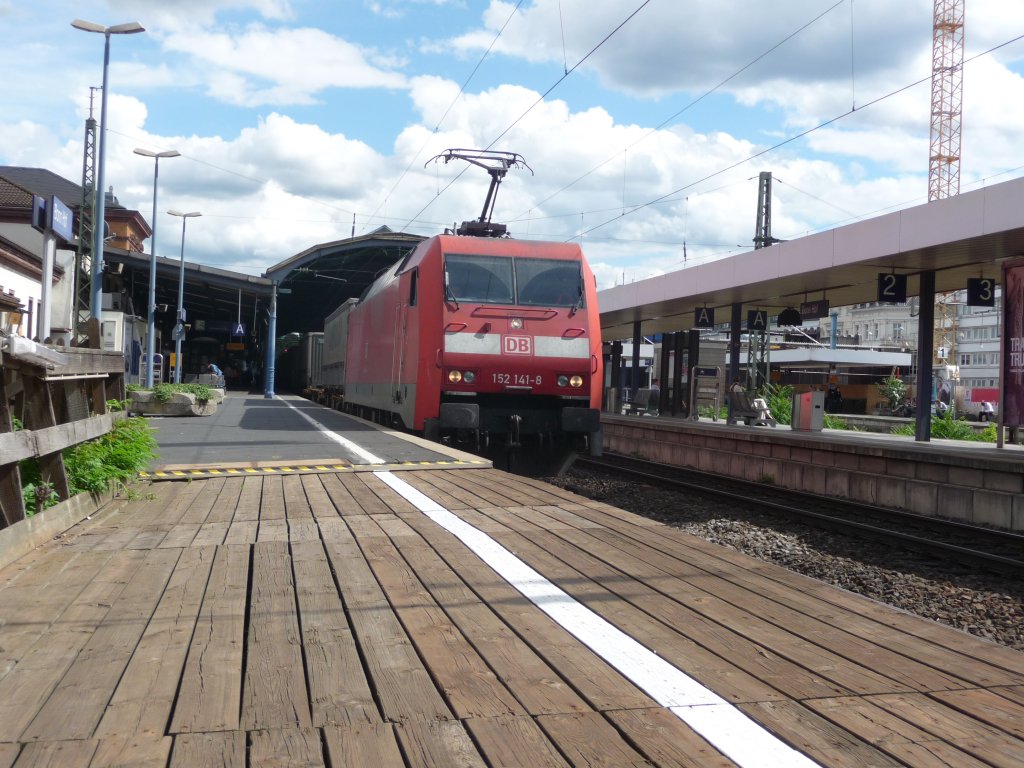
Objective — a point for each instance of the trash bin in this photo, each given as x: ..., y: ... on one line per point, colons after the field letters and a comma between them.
x: 808, y: 412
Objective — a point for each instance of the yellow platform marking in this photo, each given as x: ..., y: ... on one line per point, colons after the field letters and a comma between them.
x: 302, y: 469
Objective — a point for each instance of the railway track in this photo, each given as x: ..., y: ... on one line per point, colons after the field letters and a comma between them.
x: 994, y: 550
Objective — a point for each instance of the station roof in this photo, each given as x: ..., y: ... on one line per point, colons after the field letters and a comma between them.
x: 324, y: 276
x: 957, y: 237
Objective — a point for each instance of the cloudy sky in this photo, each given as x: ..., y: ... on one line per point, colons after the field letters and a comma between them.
x: 645, y: 123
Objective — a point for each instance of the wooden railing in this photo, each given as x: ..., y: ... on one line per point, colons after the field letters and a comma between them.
x: 58, y: 398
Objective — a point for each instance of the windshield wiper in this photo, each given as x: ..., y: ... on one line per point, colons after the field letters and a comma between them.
x: 578, y: 305
x: 448, y: 295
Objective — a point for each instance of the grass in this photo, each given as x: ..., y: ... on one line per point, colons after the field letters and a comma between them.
x: 94, y: 466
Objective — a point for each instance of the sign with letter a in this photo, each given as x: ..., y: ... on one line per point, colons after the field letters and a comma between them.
x: 704, y: 317
x: 757, y: 320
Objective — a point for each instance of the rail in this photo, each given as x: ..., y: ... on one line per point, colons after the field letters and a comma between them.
x: 52, y: 398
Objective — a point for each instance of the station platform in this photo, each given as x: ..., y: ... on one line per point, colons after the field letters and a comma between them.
x: 461, y: 616
x: 962, y: 480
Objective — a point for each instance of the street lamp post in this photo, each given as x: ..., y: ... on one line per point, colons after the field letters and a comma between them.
x: 96, y: 290
x: 151, y: 314
x: 179, y: 328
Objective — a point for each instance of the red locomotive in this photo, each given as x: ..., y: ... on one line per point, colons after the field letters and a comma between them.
x: 479, y: 334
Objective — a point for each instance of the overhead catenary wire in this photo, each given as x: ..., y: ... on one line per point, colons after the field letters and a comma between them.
x: 691, y: 104
x: 454, y: 101
x: 539, y: 100
x: 789, y: 140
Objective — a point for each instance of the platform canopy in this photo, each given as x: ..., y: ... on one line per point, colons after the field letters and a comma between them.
x: 318, y: 280
x: 957, y: 238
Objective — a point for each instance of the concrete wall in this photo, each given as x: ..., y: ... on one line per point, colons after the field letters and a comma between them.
x: 979, y: 485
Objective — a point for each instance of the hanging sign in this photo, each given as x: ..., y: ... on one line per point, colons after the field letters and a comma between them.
x: 981, y: 292
x: 892, y: 288
x: 757, y: 320
x: 704, y: 317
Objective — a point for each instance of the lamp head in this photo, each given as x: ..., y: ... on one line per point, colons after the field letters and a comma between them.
x: 130, y: 28
x: 151, y: 153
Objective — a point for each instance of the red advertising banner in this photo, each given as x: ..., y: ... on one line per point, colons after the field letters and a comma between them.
x: 1013, y: 344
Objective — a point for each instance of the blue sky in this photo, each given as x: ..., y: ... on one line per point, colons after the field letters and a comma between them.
x: 294, y: 115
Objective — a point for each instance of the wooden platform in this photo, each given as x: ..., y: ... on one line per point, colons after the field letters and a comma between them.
x: 325, y: 620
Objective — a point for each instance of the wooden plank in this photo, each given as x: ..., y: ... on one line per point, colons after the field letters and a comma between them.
x: 248, y: 506
x: 203, y: 502
x: 431, y: 743
x: 586, y: 738
x: 295, y: 503
x: 227, y: 501
x: 303, y: 529
x: 842, y: 658
x: 471, y: 687
x: 224, y: 749
x: 26, y: 687
x: 320, y: 503
x: 274, y: 695
x: 292, y: 747
x: 31, y: 603
x: 901, y: 740
x: 667, y: 740
x: 343, y: 501
x: 366, y: 499
x: 575, y: 665
x: 75, y: 707
x: 990, y: 745
x: 144, y: 697
x: 512, y: 742
x: 55, y: 754
x: 273, y: 531
x: 403, y: 687
x: 211, y: 684
x: 471, y: 496
x: 211, y: 534
x: 535, y: 684
x: 242, y: 532
x: 395, y: 502
x: 818, y: 738
x: 9, y: 753
x: 973, y: 660
x: 272, y: 500
x: 138, y: 752
x: 339, y: 691
x: 363, y: 745
x: 720, y: 659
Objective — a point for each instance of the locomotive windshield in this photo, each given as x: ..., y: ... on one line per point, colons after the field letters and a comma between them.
x: 527, y: 282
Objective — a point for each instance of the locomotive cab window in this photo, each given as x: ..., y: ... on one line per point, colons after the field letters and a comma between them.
x: 484, y: 279
x: 549, y: 283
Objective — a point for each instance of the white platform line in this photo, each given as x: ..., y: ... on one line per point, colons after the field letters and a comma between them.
x: 734, y: 734
x: 362, y: 453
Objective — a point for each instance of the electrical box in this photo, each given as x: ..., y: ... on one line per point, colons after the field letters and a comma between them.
x: 808, y: 412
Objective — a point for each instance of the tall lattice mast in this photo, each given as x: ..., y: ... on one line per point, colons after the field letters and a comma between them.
x: 947, y: 97
x: 86, y: 222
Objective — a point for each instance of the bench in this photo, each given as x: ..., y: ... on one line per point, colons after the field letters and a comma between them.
x: 749, y: 410
x: 642, y: 405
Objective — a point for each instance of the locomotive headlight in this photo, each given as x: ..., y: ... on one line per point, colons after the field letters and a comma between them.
x: 468, y: 377
x: 576, y: 381
x: 454, y: 376
x: 563, y: 381
x: 516, y: 323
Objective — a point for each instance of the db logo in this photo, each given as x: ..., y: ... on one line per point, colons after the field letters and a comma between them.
x: 517, y: 345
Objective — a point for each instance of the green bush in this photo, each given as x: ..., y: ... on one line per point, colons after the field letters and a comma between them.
x: 163, y: 392
x: 94, y: 466
x: 945, y: 427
